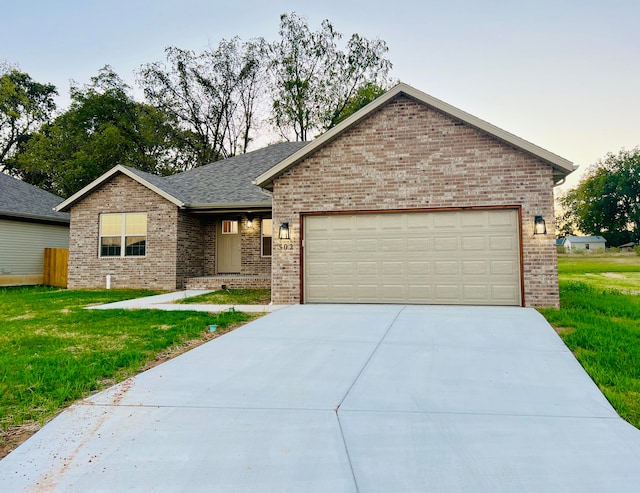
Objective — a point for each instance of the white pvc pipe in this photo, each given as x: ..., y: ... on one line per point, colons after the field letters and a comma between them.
x: 108, y: 281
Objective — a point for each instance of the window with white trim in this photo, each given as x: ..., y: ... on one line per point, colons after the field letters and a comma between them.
x: 123, y: 235
x: 266, y: 226
x: 229, y: 227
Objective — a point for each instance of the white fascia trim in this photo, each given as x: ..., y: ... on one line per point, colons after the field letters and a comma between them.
x: 563, y: 165
x: 64, y: 206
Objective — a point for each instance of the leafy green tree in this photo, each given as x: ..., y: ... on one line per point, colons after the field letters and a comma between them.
x: 313, y: 80
x: 103, y: 127
x: 24, y: 105
x: 364, y: 95
x: 607, y: 201
x: 211, y: 95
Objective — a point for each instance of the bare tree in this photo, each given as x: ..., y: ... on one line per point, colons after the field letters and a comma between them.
x: 212, y: 95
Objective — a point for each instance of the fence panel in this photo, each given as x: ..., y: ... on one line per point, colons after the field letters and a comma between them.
x: 55, y: 266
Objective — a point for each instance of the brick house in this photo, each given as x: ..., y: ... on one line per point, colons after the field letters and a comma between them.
x: 410, y: 200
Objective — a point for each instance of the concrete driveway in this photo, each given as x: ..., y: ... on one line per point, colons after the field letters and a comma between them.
x: 328, y: 398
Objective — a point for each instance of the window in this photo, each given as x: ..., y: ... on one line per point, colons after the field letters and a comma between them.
x: 267, y: 233
x: 229, y: 227
x: 123, y: 235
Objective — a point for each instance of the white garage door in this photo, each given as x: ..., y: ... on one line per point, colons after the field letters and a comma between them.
x: 454, y: 257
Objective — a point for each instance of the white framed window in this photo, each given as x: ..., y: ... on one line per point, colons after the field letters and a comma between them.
x: 266, y: 234
x: 123, y: 235
x: 229, y: 227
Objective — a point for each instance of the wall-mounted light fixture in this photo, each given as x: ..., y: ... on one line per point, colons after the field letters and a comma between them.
x: 249, y: 222
x: 539, y: 226
x: 283, y: 232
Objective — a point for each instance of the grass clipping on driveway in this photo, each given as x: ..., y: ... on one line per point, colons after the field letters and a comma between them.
x: 599, y: 321
x: 53, y: 352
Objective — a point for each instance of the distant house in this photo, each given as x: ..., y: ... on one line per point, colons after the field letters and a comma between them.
x: 28, y: 225
x: 584, y: 243
x: 560, y: 242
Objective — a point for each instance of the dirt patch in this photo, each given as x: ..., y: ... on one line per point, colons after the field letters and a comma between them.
x: 613, y: 275
x: 10, y: 439
x: 564, y: 330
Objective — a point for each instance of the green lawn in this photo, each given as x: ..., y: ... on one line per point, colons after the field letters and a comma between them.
x: 599, y: 320
x: 232, y: 297
x: 53, y: 352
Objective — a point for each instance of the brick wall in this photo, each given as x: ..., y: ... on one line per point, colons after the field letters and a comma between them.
x: 253, y: 263
x: 405, y: 156
x: 190, y: 248
x: 157, y: 270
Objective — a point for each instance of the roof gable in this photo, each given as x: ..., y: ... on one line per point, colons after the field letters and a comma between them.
x: 561, y: 166
x: 222, y: 184
x: 20, y: 199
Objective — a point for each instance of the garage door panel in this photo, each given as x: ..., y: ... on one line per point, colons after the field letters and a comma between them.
x: 502, y: 243
x: 476, y: 292
x: 446, y: 268
x: 419, y: 245
x: 392, y: 269
x: 504, y: 267
x: 367, y: 268
x: 445, y: 244
x: 418, y: 268
x: 475, y: 267
x: 452, y: 257
x: 391, y: 245
x: 367, y: 245
x: 474, y: 243
x: 446, y: 221
x: 503, y: 218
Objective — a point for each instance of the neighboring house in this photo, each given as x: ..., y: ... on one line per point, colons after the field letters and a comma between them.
x: 559, y: 242
x: 409, y: 200
x: 584, y: 243
x: 28, y: 225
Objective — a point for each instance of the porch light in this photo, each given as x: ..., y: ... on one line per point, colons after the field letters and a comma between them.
x: 283, y: 232
x: 249, y: 222
x: 539, y: 226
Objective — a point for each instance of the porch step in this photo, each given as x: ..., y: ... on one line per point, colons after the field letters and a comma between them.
x: 229, y: 282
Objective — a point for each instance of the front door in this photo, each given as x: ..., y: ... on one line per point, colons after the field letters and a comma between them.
x: 228, y: 241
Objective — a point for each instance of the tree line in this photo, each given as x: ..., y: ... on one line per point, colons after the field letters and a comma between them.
x: 198, y: 107
x: 607, y: 200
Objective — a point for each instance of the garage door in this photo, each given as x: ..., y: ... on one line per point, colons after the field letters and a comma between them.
x: 454, y: 257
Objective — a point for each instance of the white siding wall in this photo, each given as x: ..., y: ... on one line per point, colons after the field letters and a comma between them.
x: 22, y: 246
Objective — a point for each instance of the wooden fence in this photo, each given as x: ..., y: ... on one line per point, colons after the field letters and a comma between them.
x: 55, y: 266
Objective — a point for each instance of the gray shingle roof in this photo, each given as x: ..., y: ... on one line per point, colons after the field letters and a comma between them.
x: 228, y: 181
x: 223, y: 184
x: 20, y: 199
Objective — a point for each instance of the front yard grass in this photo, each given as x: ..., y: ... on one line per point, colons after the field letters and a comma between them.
x: 53, y: 352
x: 232, y: 297
x: 599, y: 321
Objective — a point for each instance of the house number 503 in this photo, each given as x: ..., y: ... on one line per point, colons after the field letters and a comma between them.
x: 285, y: 246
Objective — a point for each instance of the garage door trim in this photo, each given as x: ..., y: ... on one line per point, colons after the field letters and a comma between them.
x: 516, y: 208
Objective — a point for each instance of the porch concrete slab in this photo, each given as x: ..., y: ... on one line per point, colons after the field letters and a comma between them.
x: 473, y: 453
x: 119, y: 448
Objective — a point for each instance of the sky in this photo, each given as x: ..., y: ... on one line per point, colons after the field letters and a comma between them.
x: 562, y: 74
